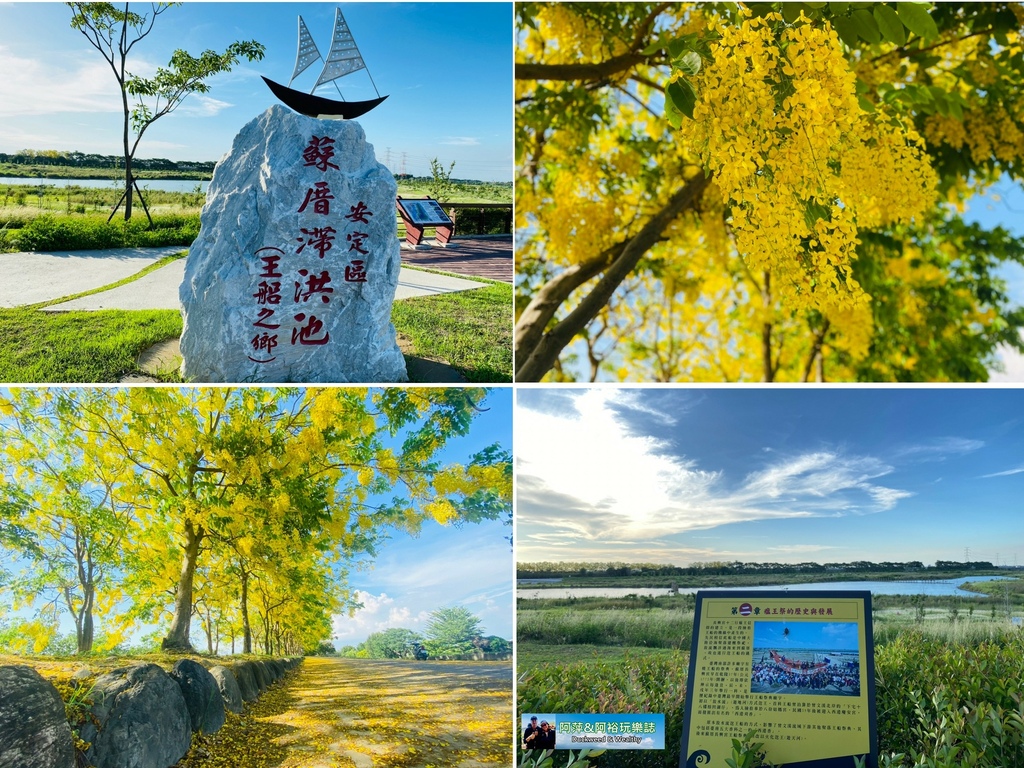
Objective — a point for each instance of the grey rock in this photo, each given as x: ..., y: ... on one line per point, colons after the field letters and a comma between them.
x: 247, y: 683
x: 202, y: 696
x: 257, y: 259
x: 143, y: 720
x: 34, y: 732
x: 262, y: 675
x: 229, y: 690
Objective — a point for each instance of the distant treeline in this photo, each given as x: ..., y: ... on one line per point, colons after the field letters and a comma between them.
x: 547, y: 570
x: 58, y: 158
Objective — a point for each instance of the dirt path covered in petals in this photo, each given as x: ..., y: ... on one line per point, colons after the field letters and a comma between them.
x: 396, y: 714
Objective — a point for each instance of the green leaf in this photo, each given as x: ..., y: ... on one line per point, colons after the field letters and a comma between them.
x: 839, y: 9
x: 866, y: 26
x: 791, y: 11
x: 688, y: 63
x: 866, y: 105
x: 682, y: 96
x: 890, y: 25
x: 916, y: 18
x: 846, y: 30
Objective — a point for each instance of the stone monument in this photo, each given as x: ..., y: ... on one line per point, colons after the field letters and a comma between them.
x: 295, y: 268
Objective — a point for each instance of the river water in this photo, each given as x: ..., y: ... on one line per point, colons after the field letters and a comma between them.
x: 931, y: 587
x: 163, y: 185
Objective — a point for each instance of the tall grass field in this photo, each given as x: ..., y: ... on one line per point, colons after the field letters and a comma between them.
x: 949, y: 682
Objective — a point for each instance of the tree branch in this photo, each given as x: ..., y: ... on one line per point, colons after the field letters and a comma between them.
x: 538, y: 358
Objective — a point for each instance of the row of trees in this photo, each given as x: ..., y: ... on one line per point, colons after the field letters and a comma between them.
x: 56, y: 158
x: 239, y: 510
x: 720, y: 568
x: 451, y: 632
x: 764, y: 191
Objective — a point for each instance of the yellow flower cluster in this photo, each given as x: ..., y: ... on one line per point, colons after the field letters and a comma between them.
x: 564, y: 36
x: 800, y: 163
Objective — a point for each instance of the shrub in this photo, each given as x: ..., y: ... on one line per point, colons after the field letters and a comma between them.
x: 91, y: 233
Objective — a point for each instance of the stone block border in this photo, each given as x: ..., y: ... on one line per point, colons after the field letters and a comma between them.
x: 141, y: 716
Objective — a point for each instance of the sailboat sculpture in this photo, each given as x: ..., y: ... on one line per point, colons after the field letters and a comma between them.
x: 343, y: 59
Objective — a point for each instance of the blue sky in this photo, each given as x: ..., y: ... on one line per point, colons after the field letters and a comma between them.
x: 808, y: 635
x: 672, y: 475
x: 470, y: 566
x: 447, y: 68
x: 1003, y: 206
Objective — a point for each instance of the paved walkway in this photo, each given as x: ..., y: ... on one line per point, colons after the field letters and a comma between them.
x: 38, y: 277
x: 489, y: 257
x: 34, y: 277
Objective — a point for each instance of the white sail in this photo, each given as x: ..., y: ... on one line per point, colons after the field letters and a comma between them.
x: 344, y: 57
x: 307, y: 53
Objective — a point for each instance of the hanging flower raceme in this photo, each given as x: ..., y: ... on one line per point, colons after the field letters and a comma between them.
x: 800, y: 163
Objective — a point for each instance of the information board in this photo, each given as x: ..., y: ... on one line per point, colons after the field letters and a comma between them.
x: 795, y: 667
x: 424, y: 212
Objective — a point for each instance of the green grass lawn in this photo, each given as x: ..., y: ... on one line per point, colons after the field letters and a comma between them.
x: 78, y: 347
x: 470, y: 330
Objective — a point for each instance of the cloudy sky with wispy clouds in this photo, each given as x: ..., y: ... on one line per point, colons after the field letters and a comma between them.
x: 447, y: 68
x: 686, y: 475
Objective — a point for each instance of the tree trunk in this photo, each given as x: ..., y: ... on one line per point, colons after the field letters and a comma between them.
x: 246, y: 629
x: 177, y: 636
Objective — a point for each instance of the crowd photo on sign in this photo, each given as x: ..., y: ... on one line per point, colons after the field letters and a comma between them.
x: 805, y: 658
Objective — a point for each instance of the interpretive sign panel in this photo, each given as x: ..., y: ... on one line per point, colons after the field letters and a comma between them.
x: 424, y: 212
x: 795, y: 667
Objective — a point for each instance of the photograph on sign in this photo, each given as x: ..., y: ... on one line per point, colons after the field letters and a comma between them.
x: 817, y: 659
x: 795, y: 668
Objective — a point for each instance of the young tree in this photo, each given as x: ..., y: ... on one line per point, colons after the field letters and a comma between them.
x: 440, y: 187
x: 70, y: 525
x: 721, y: 192
x: 452, y: 631
x: 114, y: 32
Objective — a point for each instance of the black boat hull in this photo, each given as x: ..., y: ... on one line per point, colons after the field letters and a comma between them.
x: 315, y: 106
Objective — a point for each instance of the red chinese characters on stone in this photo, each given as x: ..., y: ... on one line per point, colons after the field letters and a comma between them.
x: 267, y: 292
x: 356, y: 272
x: 315, y: 284
x: 320, y: 239
x: 318, y: 153
x: 359, y: 212
x: 307, y: 334
x: 357, y: 239
x: 320, y: 195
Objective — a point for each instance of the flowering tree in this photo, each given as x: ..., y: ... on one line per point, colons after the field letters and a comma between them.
x: 766, y: 192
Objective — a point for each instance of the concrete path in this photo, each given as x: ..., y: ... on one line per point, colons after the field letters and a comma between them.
x: 159, y: 290
x: 37, y: 277
x: 30, y: 278
x: 360, y: 713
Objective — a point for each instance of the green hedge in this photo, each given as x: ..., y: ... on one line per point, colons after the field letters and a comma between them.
x: 45, y: 233
x: 483, y: 221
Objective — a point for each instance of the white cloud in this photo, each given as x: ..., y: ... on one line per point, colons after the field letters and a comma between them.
x: 379, y: 612
x: 597, y: 482
x: 198, y: 105
x: 1006, y: 472
x: 462, y: 141
x: 35, y: 87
